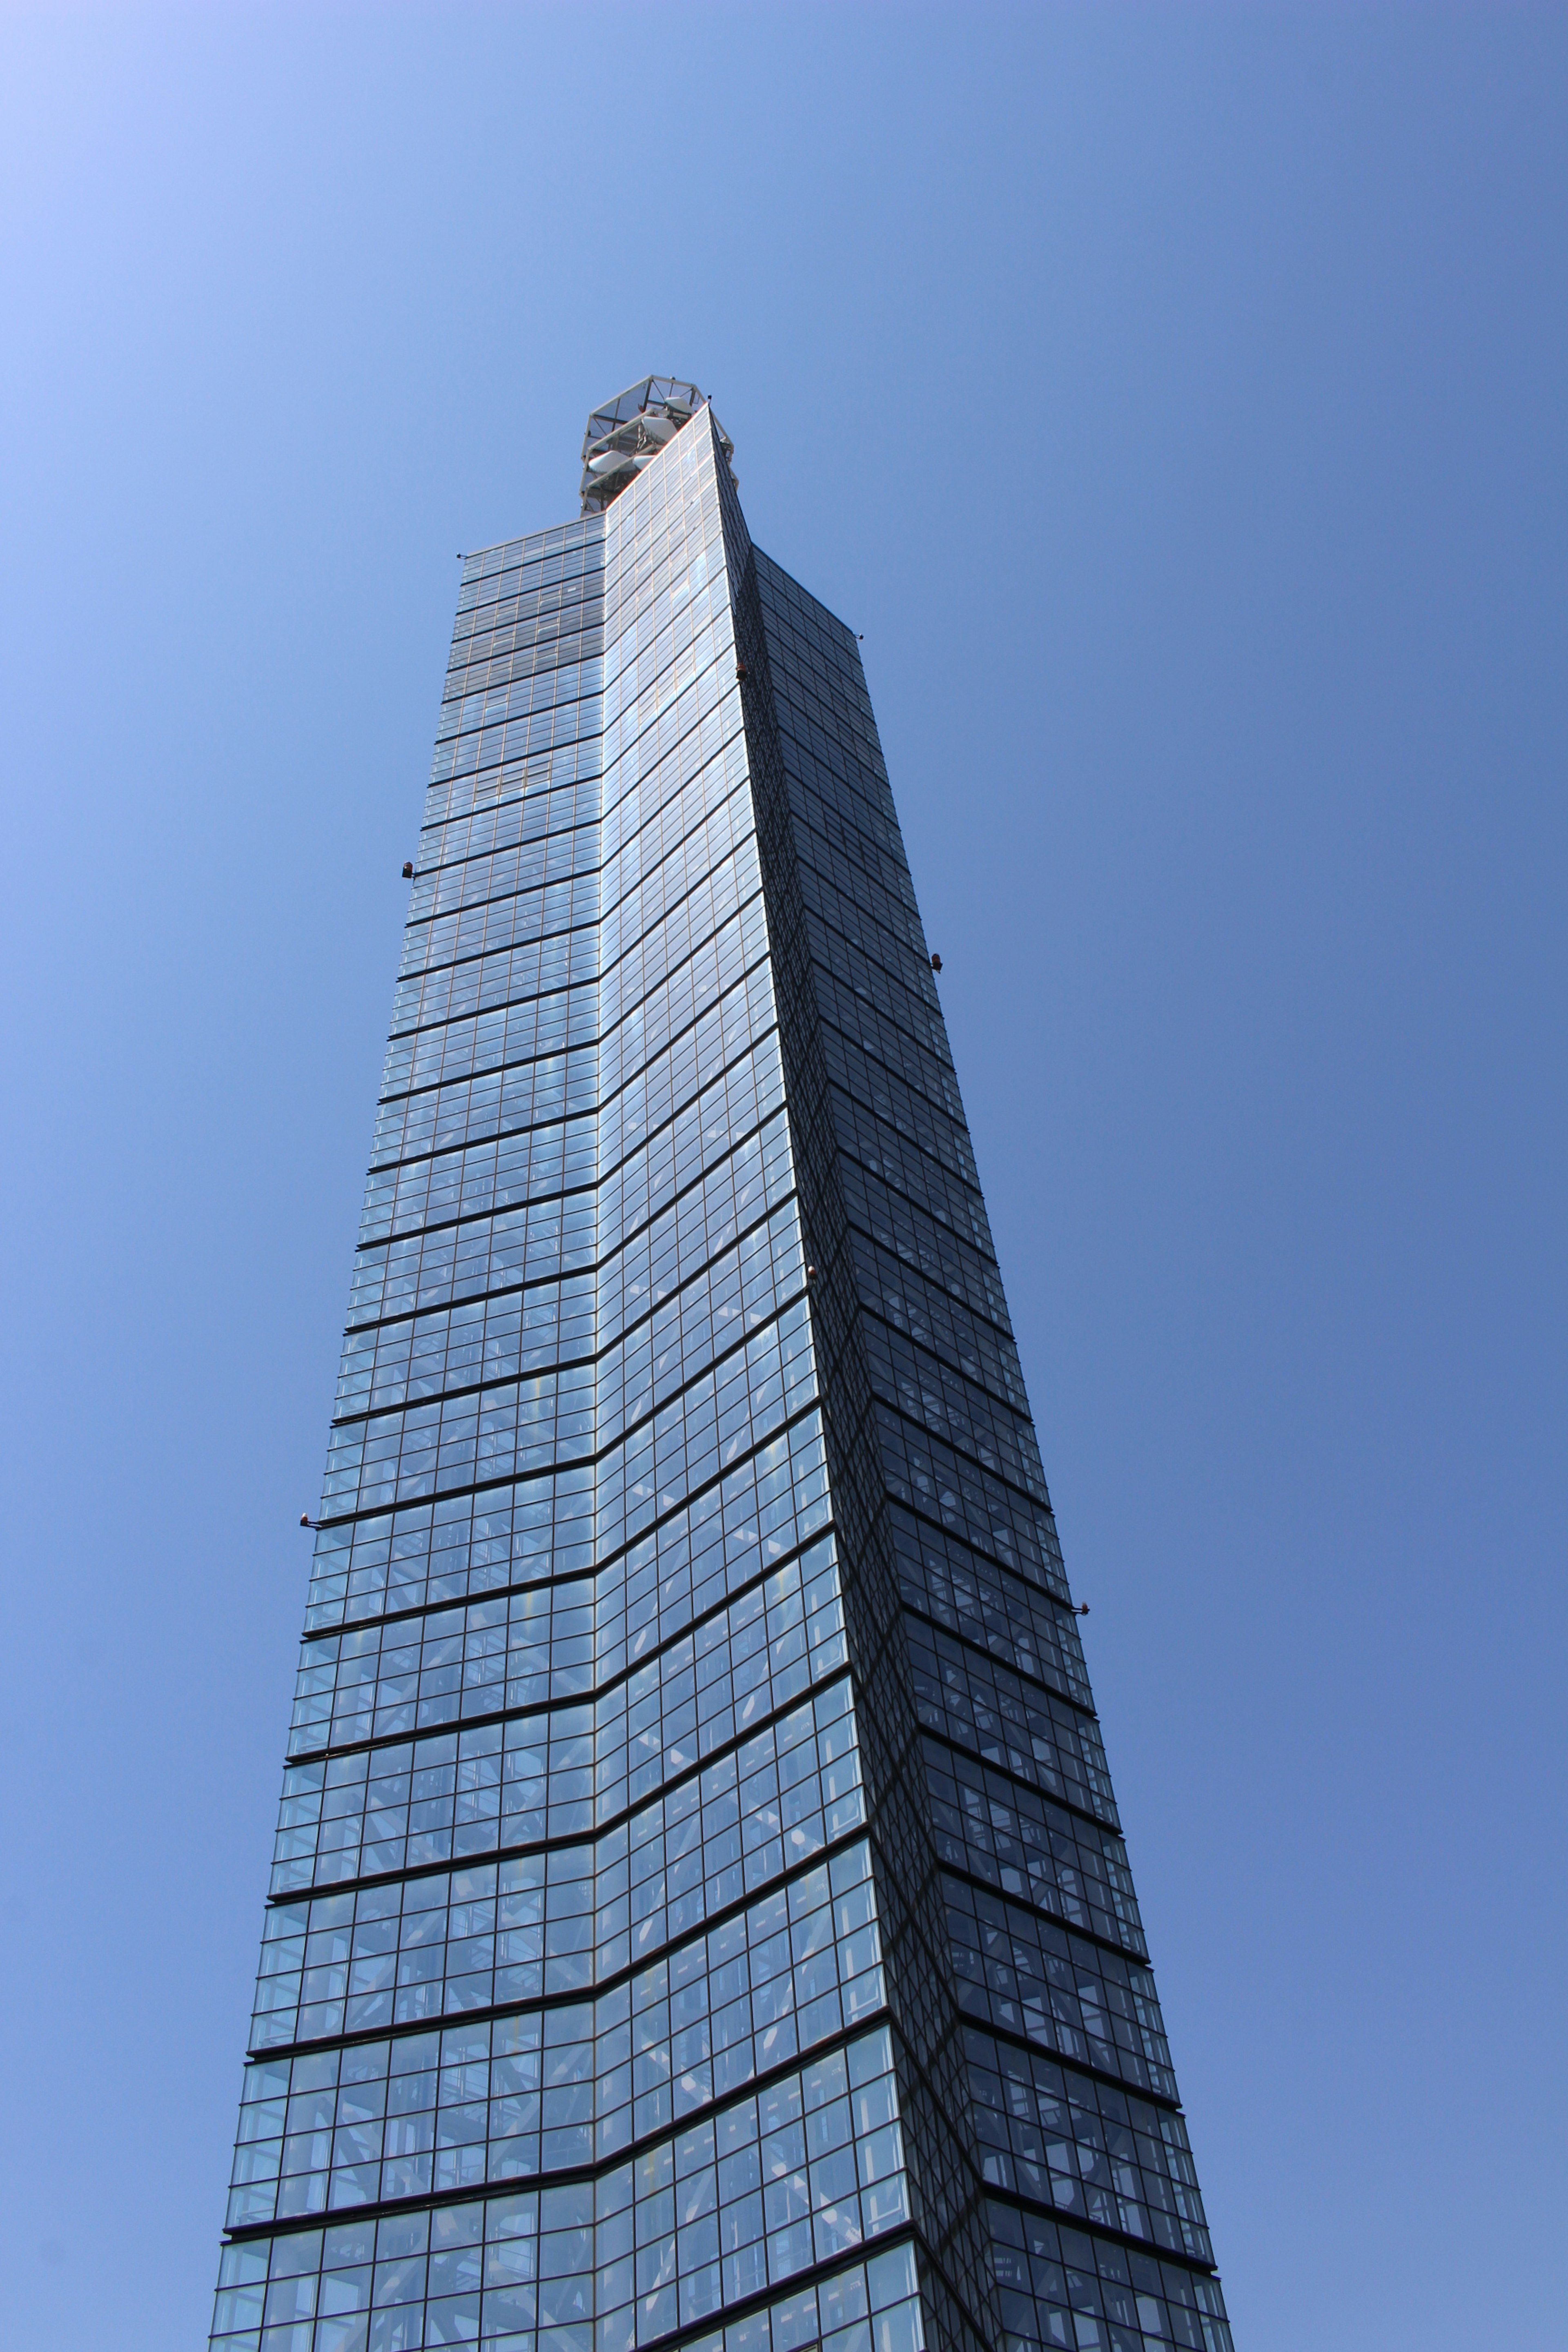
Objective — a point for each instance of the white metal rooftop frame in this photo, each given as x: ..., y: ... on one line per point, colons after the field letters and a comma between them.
x: 625, y: 433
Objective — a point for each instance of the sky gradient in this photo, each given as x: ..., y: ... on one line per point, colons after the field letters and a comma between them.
x: 1173, y: 398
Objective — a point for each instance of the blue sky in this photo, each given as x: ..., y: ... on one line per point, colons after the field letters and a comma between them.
x: 1174, y: 397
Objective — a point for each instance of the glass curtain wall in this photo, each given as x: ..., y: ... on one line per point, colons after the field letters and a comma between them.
x: 1094, y: 2226
x: 569, y: 2031
x: 698, y: 1915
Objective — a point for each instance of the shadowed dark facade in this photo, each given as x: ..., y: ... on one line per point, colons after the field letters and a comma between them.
x: 700, y: 1916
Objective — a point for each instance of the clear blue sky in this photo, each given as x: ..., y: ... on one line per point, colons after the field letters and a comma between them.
x: 1174, y: 396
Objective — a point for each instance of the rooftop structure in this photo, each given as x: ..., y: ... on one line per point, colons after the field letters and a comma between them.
x: 627, y: 433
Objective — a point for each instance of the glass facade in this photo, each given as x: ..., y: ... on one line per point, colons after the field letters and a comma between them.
x: 699, y: 1915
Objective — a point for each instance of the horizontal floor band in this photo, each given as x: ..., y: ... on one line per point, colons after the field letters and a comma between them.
x: 719, y: 1917
x: 671, y: 1785
x: 563, y: 1705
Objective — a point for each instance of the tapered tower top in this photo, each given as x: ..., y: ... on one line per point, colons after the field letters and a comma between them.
x: 625, y: 433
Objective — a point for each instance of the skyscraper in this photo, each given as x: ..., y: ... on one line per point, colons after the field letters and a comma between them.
x: 699, y: 1916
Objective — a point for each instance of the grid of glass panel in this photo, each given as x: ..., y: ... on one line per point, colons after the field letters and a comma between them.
x: 574, y: 2026
x: 571, y: 1897
x: 1073, y: 2099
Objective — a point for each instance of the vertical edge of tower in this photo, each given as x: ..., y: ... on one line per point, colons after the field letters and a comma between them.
x: 943, y: 2161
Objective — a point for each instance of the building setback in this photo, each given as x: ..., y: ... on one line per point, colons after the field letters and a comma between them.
x: 700, y: 1916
